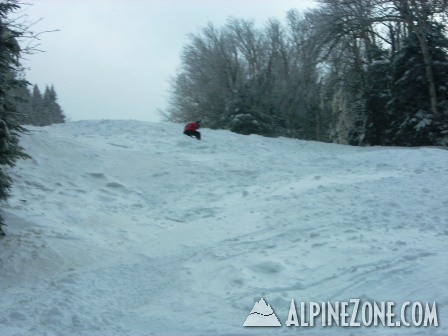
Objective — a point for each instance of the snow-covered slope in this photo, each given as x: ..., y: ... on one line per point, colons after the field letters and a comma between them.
x: 131, y: 228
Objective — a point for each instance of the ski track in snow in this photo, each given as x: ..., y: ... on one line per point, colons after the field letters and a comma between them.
x: 130, y: 228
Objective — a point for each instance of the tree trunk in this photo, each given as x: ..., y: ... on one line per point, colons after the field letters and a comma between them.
x: 429, y: 75
x: 420, y: 30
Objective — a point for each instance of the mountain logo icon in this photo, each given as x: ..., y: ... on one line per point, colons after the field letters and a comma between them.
x: 262, y: 315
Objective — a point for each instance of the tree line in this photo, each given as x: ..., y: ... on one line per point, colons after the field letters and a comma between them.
x: 37, y: 108
x: 359, y: 72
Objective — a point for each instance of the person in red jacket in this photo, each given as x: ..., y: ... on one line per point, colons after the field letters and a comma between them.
x: 192, y: 130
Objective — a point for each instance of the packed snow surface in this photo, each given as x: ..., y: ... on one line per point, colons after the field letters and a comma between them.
x: 132, y: 228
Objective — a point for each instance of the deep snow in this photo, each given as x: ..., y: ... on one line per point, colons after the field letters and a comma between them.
x: 131, y: 228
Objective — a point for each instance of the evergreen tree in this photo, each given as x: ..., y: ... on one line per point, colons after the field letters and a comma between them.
x: 51, y: 107
x: 22, y: 102
x: 37, y: 109
x: 37, y: 117
x: 414, y: 123
x: 249, y: 117
x: 9, y: 66
x: 378, y: 118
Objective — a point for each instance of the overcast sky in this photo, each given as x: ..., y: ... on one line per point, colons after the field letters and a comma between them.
x: 113, y: 59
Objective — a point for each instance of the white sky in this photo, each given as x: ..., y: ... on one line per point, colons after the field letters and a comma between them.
x: 113, y: 59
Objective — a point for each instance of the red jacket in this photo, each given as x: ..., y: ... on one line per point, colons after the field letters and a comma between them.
x: 192, y: 127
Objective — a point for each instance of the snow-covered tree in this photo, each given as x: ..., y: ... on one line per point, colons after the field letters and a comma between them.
x: 39, y: 109
x: 10, y: 52
x: 37, y: 116
x: 415, y: 121
x: 354, y: 72
x: 52, y: 109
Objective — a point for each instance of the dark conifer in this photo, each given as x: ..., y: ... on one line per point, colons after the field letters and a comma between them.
x: 10, y: 52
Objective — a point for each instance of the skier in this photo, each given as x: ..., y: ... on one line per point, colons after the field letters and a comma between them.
x: 192, y: 130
